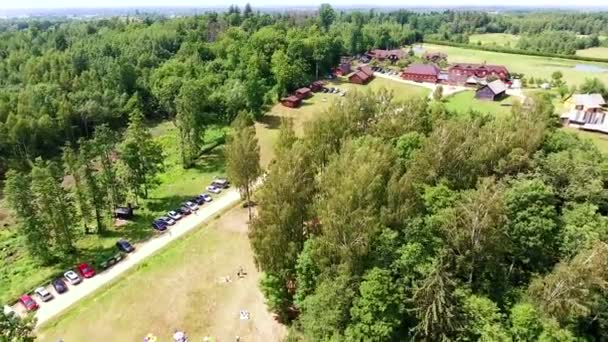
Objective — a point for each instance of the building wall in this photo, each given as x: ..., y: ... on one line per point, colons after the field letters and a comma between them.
x: 486, y: 93
x: 419, y: 78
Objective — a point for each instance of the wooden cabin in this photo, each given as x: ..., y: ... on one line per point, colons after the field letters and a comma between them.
x: 493, y: 91
x: 291, y: 101
x: 421, y: 73
x: 303, y: 93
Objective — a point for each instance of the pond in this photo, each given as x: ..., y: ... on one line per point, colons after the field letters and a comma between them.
x: 590, y: 68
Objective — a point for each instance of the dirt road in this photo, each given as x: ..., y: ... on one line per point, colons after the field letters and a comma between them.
x: 88, y: 286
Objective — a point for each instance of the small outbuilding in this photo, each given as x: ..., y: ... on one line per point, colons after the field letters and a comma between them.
x: 291, y: 101
x: 362, y: 76
x: 303, y: 93
x: 493, y: 91
x: 124, y: 213
x: 316, y: 86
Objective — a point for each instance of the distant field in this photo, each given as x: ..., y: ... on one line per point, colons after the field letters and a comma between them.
x: 465, y: 101
x: 498, y: 39
x: 595, y: 52
x: 534, y: 66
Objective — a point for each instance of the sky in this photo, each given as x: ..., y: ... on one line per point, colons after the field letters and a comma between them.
x: 11, y: 4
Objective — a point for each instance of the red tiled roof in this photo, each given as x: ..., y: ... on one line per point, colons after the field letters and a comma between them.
x: 291, y: 98
x: 488, y: 67
x: 367, y: 70
x: 386, y: 53
x: 303, y: 91
x: 423, y: 69
x: 362, y: 75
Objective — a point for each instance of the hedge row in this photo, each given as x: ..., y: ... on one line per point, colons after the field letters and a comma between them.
x: 515, y: 51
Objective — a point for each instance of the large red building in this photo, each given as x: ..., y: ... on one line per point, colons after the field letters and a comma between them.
x: 421, y: 73
x: 459, y: 73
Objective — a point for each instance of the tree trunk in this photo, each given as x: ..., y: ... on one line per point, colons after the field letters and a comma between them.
x: 248, y: 201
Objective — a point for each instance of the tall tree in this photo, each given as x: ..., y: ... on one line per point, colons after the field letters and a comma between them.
x: 104, y: 141
x: 327, y: 15
x: 15, y: 329
x: 92, y: 183
x: 191, y: 106
x: 141, y: 156
x: 73, y: 168
x: 52, y: 203
x: 243, y: 159
x: 20, y: 198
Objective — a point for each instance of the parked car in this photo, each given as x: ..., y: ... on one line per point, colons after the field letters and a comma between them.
x: 124, y: 246
x: 169, y: 221
x: 214, y: 189
x: 72, y: 277
x: 29, y: 303
x: 43, y: 294
x: 222, y: 183
x: 336, y: 91
x: 159, y: 225
x: 174, y: 214
x: 206, y: 197
x: 191, y: 205
x: 86, y: 270
x: 198, y: 200
x: 59, y: 285
x: 113, y: 260
x: 324, y: 90
x: 184, y: 210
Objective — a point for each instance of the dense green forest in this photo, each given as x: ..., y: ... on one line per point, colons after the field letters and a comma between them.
x: 59, y: 79
x: 394, y: 221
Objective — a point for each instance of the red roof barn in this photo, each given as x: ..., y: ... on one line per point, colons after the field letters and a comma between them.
x: 459, y: 73
x: 303, y: 93
x: 316, y: 86
x: 291, y: 101
x: 362, y: 76
x: 391, y: 55
x: 421, y: 73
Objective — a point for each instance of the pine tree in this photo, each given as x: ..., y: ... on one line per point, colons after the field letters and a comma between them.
x: 141, y: 156
x: 73, y: 167
x: 104, y: 141
x: 92, y: 184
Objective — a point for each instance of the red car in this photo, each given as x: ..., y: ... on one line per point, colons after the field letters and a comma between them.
x: 28, y: 302
x: 86, y: 270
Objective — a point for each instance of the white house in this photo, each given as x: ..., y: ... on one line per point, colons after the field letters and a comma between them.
x: 586, y: 111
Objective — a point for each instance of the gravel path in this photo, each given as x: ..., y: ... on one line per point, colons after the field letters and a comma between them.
x: 62, y: 302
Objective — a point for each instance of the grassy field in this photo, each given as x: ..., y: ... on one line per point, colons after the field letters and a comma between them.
x: 600, y: 140
x: 531, y: 66
x: 496, y: 39
x: 596, y: 52
x: 20, y: 273
x: 465, y: 101
x: 181, y: 287
x: 312, y: 107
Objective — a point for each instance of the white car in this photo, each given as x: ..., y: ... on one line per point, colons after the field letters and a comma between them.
x: 174, y: 215
x: 207, y: 197
x: 221, y: 183
x: 43, y: 294
x: 214, y: 189
x: 167, y: 220
x: 72, y: 277
x: 191, y: 205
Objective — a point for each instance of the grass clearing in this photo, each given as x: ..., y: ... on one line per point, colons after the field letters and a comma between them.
x: 530, y: 66
x: 595, y: 52
x: 465, y: 101
x: 600, y: 139
x: 494, y: 39
x: 180, y: 287
x: 267, y: 128
x: 19, y: 272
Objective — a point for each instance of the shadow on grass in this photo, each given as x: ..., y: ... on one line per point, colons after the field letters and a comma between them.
x: 211, y: 162
x: 270, y: 121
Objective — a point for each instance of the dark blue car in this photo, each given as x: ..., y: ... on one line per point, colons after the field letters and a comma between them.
x: 159, y: 225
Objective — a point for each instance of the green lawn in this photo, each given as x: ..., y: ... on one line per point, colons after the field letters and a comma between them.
x: 600, y: 140
x: 465, y: 101
x: 20, y: 273
x: 496, y: 39
x: 312, y: 107
x: 531, y: 66
x: 595, y: 52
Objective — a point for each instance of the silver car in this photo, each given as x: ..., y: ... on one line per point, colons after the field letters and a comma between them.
x: 72, y: 277
x: 43, y: 294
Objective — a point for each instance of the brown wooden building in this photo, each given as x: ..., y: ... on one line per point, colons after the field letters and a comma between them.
x: 460, y: 73
x: 421, y: 73
x: 291, y: 101
x: 362, y: 76
x: 391, y: 55
x: 303, y: 93
x: 493, y: 91
x: 316, y: 86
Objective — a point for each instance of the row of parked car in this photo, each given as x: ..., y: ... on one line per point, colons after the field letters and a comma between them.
x: 385, y: 71
x: 162, y: 223
x: 72, y: 277
x: 333, y: 91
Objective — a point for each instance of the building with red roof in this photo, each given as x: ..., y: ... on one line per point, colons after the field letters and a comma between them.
x: 291, y: 101
x: 391, y: 55
x: 362, y: 76
x: 303, y: 93
x: 421, y: 73
x: 461, y: 72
